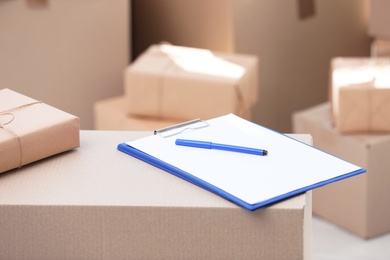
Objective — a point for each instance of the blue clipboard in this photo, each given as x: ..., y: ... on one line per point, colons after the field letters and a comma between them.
x: 162, y: 140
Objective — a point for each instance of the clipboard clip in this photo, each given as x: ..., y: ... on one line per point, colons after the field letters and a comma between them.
x: 179, y: 128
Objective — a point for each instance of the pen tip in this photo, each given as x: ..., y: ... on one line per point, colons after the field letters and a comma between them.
x: 265, y: 152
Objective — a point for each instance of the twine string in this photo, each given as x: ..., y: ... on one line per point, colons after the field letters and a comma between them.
x: 15, y: 135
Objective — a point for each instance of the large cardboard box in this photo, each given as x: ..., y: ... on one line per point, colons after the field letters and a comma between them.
x: 379, y: 19
x: 380, y: 48
x: 69, y: 53
x: 185, y: 83
x: 31, y: 130
x: 110, y: 114
x: 99, y: 203
x: 360, y: 93
x: 360, y: 205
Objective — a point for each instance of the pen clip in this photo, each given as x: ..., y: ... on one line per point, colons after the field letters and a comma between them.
x: 179, y: 128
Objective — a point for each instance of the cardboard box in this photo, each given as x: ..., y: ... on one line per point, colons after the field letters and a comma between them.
x: 31, y: 130
x: 68, y: 53
x: 379, y: 19
x: 110, y: 114
x: 360, y: 93
x: 98, y: 203
x: 185, y: 83
x: 360, y: 205
x: 380, y: 48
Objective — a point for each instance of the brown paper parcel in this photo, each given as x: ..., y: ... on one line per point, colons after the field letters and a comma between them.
x: 110, y: 114
x: 186, y: 83
x: 31, y: 130
x: 361, y: 94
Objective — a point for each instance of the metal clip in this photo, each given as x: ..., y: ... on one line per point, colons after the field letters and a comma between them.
x: 177, y: 129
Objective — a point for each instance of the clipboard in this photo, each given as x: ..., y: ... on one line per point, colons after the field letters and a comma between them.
x: 252, y: 182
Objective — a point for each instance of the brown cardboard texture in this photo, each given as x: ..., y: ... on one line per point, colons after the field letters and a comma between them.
x: 379, y: 19
x: 31, y: 130
x: 186, y: 83
x: 380, y: 48
x: 99, y: 203
x: 358, y: 204
x: 360, y: 94
x: 66, y: 53
x: 110, y: 114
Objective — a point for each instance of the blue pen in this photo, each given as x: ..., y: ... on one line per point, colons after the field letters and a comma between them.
x: 226, y: 147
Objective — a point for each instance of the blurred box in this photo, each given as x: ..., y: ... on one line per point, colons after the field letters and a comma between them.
x: 69, y: 53
x: 360, y: 204
x: 110, y: 114
x: 185, y: 83
x: 380, y: 48
x: 98, y: 203
x: 31, y: 130
x: 360, y: 94
x: 379, y: 18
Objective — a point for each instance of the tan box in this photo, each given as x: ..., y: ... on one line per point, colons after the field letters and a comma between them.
x: 360, y: 205
x: 110, y: 114
x: 380, y: 48
x: 379, y: 19
x: 360, y: 93
x: 68, y: 53
x: 186, y: 83
x: 31, y: 130
x: 98, y: 203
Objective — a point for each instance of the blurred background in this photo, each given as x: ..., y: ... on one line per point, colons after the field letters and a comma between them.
x: 71, y: 54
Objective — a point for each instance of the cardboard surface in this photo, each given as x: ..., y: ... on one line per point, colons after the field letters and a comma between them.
x: 31, y: 130
x: 98, y: 203
x: 379, y: 19
x: 360, y: 94
x: 185, y: 83
x: 380, y: 48
x: 359, y: 204
x: 110, y: 114
x: 67, y: 53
